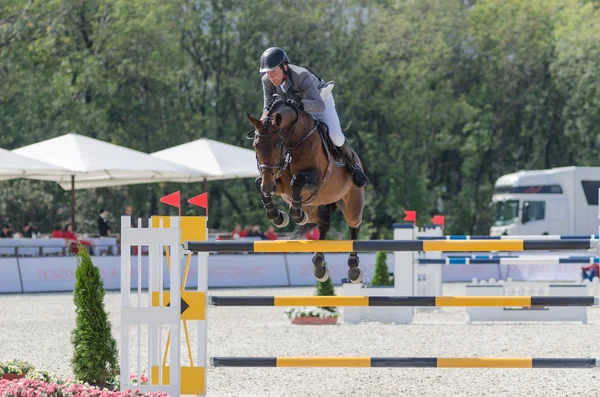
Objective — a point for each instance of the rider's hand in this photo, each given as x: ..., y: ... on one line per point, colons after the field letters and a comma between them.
x: 295, y: 104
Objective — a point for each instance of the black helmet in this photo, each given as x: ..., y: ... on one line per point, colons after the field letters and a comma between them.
x: 271, y: 58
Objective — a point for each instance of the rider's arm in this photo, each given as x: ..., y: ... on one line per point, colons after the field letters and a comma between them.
x: 308, y: 85
x: 268, y: 91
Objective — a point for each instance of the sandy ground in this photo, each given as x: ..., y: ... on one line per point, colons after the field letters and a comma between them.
x: 37, y: 327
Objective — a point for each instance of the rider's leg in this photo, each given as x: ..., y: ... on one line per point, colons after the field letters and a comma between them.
x: 329, y: 116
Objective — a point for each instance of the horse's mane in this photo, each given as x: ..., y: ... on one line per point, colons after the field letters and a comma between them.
x: 275, y: 104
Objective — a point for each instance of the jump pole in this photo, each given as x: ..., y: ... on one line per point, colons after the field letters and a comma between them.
x: 404, y: 362
x: 388, y: 245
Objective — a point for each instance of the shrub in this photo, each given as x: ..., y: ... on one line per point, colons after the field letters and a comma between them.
x: 381, y: 276
x: 95, y: 358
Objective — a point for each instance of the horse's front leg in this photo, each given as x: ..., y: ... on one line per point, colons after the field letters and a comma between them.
x: 277, y: 217
x: 301, y: 180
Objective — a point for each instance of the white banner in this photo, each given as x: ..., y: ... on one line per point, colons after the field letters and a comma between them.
x: 247, y: 270
x: 9, y: 275
x: 532, y: 272
x: 58, y: 274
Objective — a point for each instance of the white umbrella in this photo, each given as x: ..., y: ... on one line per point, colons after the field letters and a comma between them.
x: 14, y: 166
x: 218, y: 160
x: 94, y: 163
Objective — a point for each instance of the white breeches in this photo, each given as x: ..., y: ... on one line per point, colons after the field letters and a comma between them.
x: 329, y: 116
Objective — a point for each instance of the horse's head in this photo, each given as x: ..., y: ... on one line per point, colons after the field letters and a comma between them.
x: 269, y: 143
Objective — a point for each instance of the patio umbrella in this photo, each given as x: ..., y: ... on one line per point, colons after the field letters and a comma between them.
x: 14, y: 166
x: 218, y: 160
x: 94, y: 163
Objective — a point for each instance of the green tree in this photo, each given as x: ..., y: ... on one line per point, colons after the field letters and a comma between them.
x: 381, y: 276
x: 96, y: 357
x: 326, y: 289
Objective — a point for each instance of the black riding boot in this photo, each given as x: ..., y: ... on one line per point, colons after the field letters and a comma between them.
x: 358, y: 176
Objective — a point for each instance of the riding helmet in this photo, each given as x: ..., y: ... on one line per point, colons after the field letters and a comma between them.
x: 271, y: 58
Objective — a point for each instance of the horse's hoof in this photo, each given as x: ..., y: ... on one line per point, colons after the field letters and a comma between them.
x: 318, y: 259
x: 285, y: 219
x: 321, y: 274
x: 355, y: 275
x: 304, y: 220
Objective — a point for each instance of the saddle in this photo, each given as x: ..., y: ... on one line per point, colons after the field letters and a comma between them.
x: 334, y: 159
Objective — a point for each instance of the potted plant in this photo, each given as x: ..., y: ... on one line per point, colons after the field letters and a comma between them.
x: 14, y: 369
x: 315, y: 315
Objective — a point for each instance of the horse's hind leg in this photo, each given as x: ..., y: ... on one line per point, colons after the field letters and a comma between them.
x: 354, y: 273
x: 352, y: 206
x: 319, y: 269
x: 277, y: 217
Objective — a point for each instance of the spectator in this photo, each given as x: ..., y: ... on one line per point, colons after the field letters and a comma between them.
x: 6, y: 231
x: 70, y: 235
x: 270, y: 234
x: 68, y: 232
x: 57, y: 233
x: 129, y: 212
x: 26, y: 231
x: 314, y: 234
x: 237, y: 232
x: 256, y: 232
x: 590, y: 271
x: 103, y: 228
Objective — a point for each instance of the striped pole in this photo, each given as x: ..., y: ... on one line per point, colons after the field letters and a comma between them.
x: 545, y: 237
x: 515, y: 260
x: 438, y: 301
x: 404, y: 362
x: 387, y: 245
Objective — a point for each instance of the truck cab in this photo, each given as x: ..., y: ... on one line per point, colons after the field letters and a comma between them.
x: 561, y: 201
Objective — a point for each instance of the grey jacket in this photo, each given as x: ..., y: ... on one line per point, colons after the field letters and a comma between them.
x: 300, y: 84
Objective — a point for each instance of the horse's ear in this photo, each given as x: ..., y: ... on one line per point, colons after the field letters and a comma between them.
x: 253, y: 121
x: 278, y: 120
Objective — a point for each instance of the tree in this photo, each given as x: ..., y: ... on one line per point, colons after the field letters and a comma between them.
x: 381, y: 276
x: 95, y: 359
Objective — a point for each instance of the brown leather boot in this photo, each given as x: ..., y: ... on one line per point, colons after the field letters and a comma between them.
x: 358, y: 176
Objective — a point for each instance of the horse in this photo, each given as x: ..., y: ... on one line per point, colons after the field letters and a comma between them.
x: 297, y: 161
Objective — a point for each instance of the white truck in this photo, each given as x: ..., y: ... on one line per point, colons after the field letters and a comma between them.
x: 560, y: 201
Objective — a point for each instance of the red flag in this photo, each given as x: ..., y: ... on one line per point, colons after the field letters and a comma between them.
x: 438, y: 220
x: 201, y: 201
x: 410, y: 215
x: 173, y: 199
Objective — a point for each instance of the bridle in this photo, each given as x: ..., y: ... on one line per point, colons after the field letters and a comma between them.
x: 286, y: 151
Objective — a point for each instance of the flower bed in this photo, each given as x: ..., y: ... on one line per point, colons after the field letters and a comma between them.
x: 14, y: 369
x: 20, y: 379
x: 296, y: 312
x: 311, y: 316
x: 37, y: 388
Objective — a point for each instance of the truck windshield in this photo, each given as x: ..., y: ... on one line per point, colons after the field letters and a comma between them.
x: 506, y: 212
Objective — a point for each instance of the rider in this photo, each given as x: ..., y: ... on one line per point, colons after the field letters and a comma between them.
x: 306, y: 91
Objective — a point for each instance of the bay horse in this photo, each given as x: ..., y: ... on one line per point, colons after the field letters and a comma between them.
x: 298, y: 162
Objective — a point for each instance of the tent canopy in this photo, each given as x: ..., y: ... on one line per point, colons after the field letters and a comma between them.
x: 218, y: 160
x: 14, y: 166
x: 94, y: 163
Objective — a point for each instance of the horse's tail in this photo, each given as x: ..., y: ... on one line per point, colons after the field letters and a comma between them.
x: 302, y: 230
x: 324, y: 212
